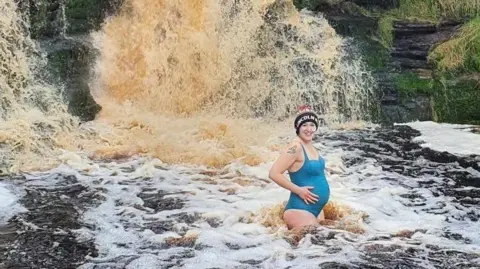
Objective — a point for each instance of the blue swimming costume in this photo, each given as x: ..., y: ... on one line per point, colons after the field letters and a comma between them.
x: 310, y: 174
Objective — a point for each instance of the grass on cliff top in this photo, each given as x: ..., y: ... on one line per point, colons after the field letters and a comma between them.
x: 434, y: 10
x: 426, y: 11
x: 461, y: 52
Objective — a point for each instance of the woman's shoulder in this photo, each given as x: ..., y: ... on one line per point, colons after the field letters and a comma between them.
x: 293, y: 147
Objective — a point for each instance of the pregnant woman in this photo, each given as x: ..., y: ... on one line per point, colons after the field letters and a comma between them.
x: 308, y: 186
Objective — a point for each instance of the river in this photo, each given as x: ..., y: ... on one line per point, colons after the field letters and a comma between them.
x: 197, y: 98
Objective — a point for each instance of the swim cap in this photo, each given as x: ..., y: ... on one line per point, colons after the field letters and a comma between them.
x: 303, y: 117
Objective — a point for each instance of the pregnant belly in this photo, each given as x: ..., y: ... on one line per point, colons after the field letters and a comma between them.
x: 320, y: 188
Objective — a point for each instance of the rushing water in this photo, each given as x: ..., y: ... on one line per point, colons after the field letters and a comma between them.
x: 398, y: 205
x: 196, y: 98
x: 200, y: 82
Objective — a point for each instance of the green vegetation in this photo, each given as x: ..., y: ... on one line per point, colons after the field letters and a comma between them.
x: 452, y: 100
x: 408, y: 84
x: 84, y: 15
x: 314, y: 4
x: 343, y: 5
x: 426, y: 11
x: 456, y: 102
x: 375, y: 59
x: 385, y: 29
x: 454, y: 84
x: 457, y: 64
x: 46, y: 16
x: 460, y: 53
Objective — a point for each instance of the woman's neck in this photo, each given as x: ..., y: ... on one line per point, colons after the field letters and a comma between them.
x: 304, y: 142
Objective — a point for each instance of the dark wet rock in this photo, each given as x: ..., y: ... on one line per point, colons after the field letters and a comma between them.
x: 185, y: 254
x: 394, y: 150
x: 185, y: 217
x: 160, y: 227
x: 443, y: 173
x: 13, y: 178
x: 201, y: 247
x: 43, y: 236
x: 319, y: 238
x: 395, y: 109
x: 213, y: 222
x: 51, y: 244
x: 333, y: 250
x: 50, y: 251
x: 51, y: 18
x: 377, y: 3
x: 456, y: 259
x: 165, y: 204
x: 359, y: 21
x: 414, y: 199
x: 335, y: 265
x: 409, y: 52
x: 158, y: 201
x: 118, y: 262
x: 389, y: 256
x: 412, y: 41
x: 233, y: 246
x: 62, y: 28
x: 457, y: 236
x: 378, y: 248
x: 69, y: 64
x: 252, y: 262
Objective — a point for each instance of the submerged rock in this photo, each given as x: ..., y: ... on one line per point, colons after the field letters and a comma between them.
x: 43, y: 237
x: 155, y: 222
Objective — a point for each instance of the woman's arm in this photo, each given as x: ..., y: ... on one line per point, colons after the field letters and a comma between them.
x: 287, y: 157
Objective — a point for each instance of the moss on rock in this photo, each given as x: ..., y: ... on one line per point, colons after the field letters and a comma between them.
x: 457, y: 101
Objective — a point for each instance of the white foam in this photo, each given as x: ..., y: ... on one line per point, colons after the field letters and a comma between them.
x: 120, y: 224
x: 145, y: 261
x: 9, y: 205
x: 453, y: 138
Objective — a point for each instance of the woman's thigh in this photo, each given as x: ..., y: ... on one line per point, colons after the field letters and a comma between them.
x: 295, y: 218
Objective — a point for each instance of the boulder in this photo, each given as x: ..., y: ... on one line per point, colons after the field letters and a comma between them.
x: 62, y: 27
x: 69, y: 64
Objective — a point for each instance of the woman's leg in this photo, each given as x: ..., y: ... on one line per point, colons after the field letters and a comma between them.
x: 321, y: 217
x: 295, y: 218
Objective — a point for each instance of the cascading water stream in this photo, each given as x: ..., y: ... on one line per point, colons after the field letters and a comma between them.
x: 199, y: 82
x: 207, y: 82
x: 34, y: 120
x: 197, y: 98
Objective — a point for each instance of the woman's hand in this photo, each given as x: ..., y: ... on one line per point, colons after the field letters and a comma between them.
x: 306, y: 195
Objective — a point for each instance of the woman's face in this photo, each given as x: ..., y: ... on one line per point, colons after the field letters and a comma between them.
x: 307, y: 130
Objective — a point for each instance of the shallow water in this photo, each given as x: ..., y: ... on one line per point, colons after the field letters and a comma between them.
x: 422, y: 210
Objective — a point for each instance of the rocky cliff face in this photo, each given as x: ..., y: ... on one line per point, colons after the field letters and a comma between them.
x: 377, y: 3
x: 408, y: 54
x: 61, y: 27
x: 413, y: 41
x: 411, y: 45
